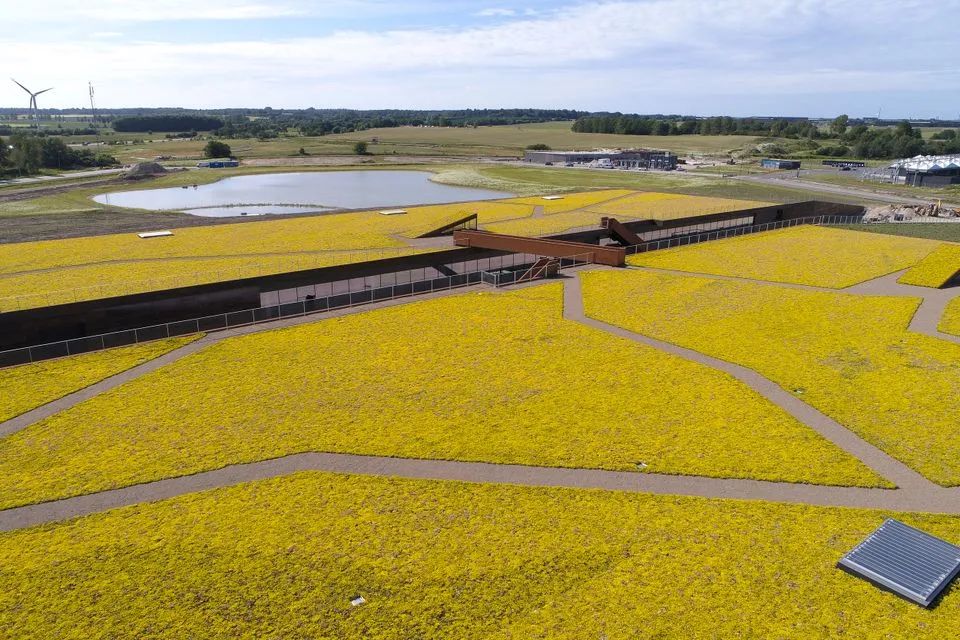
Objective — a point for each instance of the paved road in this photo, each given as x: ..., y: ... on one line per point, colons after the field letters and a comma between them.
x: 64, y: 176
x: 914, y: 492
x: 865, y: 193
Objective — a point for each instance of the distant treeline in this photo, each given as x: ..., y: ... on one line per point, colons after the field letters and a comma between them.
x: 638, y: 125
x: 318, y: 122
x: 858, y: 141
x: 28, y: 154
x: 901, y: 141
x: 270, y: 123
x: 142, y: 124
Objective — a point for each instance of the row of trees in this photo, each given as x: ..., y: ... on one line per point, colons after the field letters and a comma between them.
x: 901, y: 141
x: 859, y: 141
x: 319, y: 122
x: 28, y: 154
x: 625, y: 124
x: 176, y: 122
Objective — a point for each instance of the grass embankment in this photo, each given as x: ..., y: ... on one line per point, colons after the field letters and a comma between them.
x: 495, y: 378
x: 282, y: 558
x: 852, y: 357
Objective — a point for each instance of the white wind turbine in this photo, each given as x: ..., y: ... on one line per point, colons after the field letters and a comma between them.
x: 33, y: 102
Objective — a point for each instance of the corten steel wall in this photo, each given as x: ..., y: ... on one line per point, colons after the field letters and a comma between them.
x: 761, y: 215
x: 79, y: 319
x: 611, y: 256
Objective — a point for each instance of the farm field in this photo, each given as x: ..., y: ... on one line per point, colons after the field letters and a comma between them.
x: 538, y: 390
x: 810, y: 255
x: 501, y: 140
x: 511, y: 140
x: 432, y: 559
x: 52, y: 271
x: 936, y: 269
x: 28, y: 386
x: 896, y: 389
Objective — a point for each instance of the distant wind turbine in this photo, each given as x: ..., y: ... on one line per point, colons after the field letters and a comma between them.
x: 33, y: 102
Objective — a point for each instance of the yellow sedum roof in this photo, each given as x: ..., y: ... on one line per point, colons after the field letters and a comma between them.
x: 496, y: 377
x: 28, y: 386
x: 849, y: 356
x: 282, y: 558
x: 807, y: 254
x: 936, y: 268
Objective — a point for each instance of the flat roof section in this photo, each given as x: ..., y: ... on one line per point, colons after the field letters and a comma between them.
x: 904, y: 560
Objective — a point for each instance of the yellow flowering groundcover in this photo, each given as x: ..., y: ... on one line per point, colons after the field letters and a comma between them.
x: 497, y: 377
x: 572, y: 201
x: 546, y: 225
x: 812, y: 255
x: 625, y: 206
x: 75, y: 269
x: 28, y: 386
x: 283, y: 558
x: 667, y: 206
x: 950, y: 322
x: 849, y: 356
x: 936, y: 269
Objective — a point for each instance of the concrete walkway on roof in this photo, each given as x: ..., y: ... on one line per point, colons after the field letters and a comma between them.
x: 914, y: 492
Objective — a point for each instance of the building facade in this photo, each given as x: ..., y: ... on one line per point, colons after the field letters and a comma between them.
x: 632, y: 159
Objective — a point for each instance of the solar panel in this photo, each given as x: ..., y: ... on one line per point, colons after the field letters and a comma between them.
x: 905, y: 560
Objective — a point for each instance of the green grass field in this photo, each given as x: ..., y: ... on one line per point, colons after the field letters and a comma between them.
x: 950, y: 194
x: 505, y: 141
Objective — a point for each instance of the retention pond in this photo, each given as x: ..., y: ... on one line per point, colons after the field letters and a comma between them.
x: 279, y: 193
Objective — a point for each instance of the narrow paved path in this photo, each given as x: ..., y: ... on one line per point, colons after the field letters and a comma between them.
x: 942, y: 501
x: 914, y: 492
x: 61, y: 404
x: 883, y: 464
x: 926, y: 320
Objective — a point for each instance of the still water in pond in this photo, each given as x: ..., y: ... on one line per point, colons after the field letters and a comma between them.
x: 278, y: 193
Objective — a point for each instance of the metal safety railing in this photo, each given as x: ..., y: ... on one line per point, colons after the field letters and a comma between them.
x: 682, y: 239
x: 248, y: 317
x: 247, y: 268
x: 527, y: 273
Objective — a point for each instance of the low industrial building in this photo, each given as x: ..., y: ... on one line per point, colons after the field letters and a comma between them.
x: 851, y: 164
x: 930, y: 171
x: 920, y: 171
x: 631, y: 159
x: 773, y: 163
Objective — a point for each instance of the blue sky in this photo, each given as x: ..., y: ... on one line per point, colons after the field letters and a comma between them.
x: 702, y: 57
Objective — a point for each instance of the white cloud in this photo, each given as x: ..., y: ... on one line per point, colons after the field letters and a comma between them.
x: 622, y: 55
x: 153, y: 11
x: 496, y: 13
